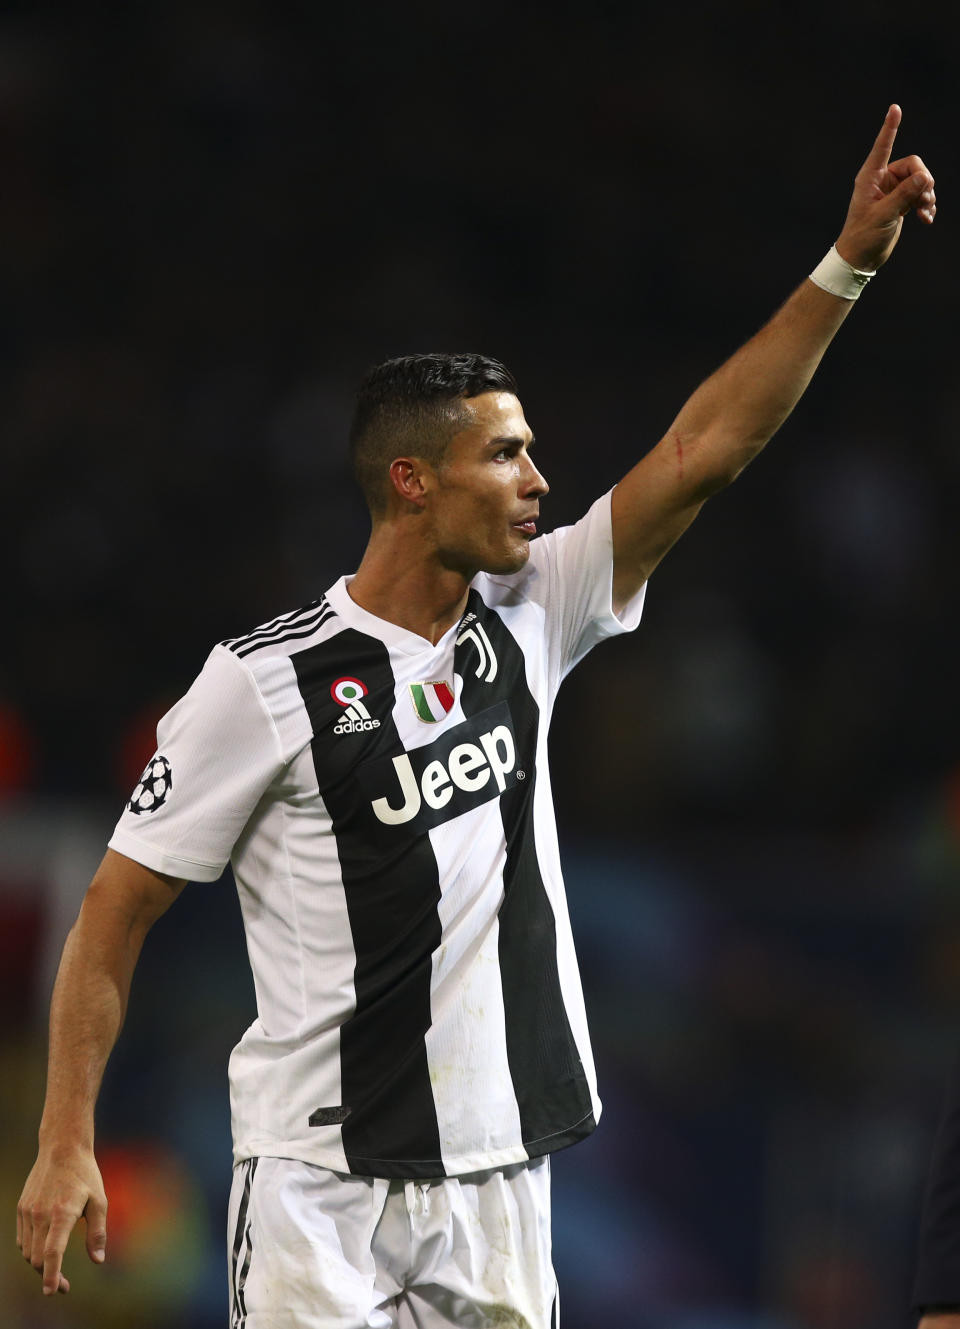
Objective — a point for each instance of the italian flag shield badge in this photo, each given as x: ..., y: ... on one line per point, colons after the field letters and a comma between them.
x: 431, y: 701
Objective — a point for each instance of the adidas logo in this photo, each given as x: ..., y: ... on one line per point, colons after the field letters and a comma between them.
x: 346, y: 692
x: 356, y: 719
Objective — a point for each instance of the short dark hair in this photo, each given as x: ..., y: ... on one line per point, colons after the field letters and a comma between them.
x: 411, y: 405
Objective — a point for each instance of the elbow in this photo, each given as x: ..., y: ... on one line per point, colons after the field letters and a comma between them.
x: 713, y: 479
x: 723, y: 463
x: 715, y: 482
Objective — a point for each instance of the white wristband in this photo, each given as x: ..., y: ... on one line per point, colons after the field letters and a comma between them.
x: 836, y: 275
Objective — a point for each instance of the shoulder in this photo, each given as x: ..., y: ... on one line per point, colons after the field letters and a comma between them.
x: 276, y: 661
x: 285, y: 635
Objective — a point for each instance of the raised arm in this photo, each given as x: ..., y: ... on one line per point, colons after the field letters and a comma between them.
x: 732, y: 415
x: 86, y: 1013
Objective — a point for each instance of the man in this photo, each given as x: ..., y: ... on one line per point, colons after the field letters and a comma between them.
x: 374, y: 767
x: 936, y: 1292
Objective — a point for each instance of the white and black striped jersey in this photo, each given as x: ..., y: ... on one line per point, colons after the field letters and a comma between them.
x: 386, y: 807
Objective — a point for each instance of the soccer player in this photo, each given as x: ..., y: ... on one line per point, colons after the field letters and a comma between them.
x: 936, y: 1292
x: 374, y: 768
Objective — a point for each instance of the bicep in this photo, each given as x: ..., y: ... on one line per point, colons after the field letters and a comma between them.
x: 651, y: 507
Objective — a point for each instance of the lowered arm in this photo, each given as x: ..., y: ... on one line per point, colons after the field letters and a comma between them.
x: 86, y: 1012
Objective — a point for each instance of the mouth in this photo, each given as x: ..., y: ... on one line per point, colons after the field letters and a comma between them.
x: 528, y: 527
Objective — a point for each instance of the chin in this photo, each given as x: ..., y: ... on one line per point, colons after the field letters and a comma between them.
x: 510, y: 561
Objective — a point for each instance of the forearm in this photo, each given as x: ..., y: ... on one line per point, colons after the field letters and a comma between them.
x: 91, y: 992
x: 739, y: 408
x: 720, y: 428
x: 86, y: 1014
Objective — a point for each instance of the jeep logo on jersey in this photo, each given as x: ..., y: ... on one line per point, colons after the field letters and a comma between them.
x: 471, y: 764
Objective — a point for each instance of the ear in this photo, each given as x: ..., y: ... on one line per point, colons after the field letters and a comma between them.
x: 409, y: 481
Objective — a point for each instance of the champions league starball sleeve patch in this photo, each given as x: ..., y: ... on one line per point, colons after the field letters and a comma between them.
x: 155, y: 784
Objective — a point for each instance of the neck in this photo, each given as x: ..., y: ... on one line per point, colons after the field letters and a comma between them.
x: 404, y: 584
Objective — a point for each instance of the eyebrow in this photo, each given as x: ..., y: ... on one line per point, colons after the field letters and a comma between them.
x: 512, y: 438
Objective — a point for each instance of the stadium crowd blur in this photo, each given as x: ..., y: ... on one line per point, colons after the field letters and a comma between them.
x: 213, y: 218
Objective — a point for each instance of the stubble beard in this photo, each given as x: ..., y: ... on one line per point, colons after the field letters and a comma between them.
x: 509, y: 563
x: 502, y: 562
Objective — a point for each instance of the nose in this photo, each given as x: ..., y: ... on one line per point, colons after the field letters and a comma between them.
x: 532, y: 483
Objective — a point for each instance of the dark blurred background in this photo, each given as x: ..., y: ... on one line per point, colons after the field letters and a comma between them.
x: 213, y: 219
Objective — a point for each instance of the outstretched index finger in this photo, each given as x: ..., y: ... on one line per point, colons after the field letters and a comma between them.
x: 882, y: 148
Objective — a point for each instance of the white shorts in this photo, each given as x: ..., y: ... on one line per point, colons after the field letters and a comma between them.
x: 314, y: 1249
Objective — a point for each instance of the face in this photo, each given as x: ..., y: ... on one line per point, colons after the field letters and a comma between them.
x: 484, y: 496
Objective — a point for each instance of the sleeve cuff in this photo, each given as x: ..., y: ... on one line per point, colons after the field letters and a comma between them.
x: 158, y: 861
x: 611, y: 624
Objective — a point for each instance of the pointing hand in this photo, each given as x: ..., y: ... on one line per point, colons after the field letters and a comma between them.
x: 883, y: 193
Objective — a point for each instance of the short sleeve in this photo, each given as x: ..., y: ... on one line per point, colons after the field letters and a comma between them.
x: 572, y: 569
x: 217, y: 752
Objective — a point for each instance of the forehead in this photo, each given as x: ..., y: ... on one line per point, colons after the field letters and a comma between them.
x: 493, y: 415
